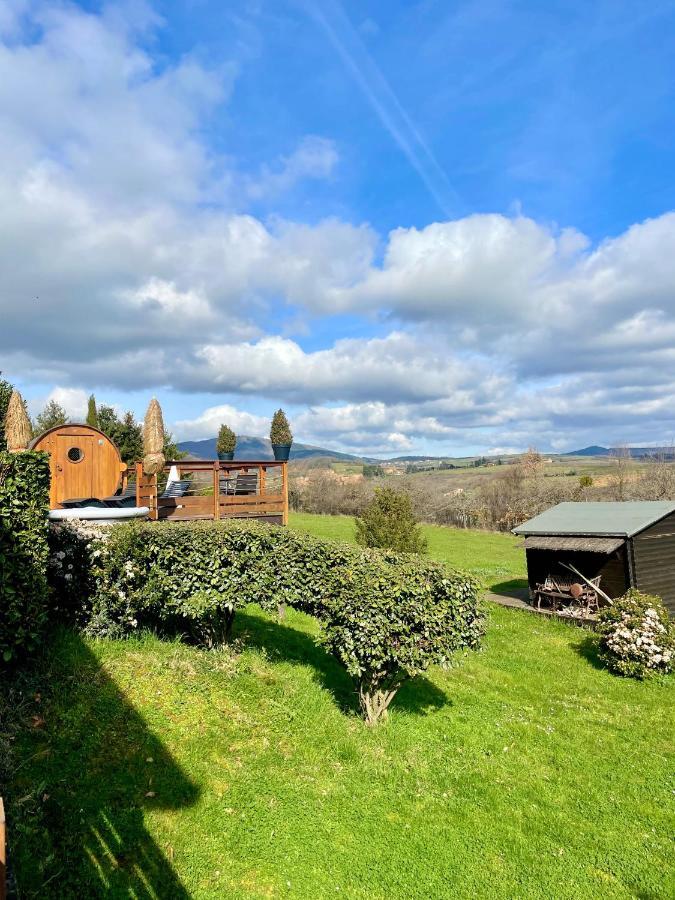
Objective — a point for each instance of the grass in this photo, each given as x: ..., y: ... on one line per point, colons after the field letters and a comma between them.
x: 497, y: 558
x: 153, y: 769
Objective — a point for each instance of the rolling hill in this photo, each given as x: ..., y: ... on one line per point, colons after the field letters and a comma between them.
x: 260, y: 448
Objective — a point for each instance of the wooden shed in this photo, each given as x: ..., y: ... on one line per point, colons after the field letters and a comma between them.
x: 83, y: 462
x: 629, y: 544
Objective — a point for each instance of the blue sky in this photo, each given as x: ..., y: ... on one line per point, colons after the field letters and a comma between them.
x: 421, y: 227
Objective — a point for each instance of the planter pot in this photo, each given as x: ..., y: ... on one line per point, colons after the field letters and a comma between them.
x: 281, y: 452
x: 225, y: 456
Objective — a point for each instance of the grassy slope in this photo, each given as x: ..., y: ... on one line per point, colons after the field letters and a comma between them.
x: 525, y: 772
x: 497, y: 558
x: 161, y: 770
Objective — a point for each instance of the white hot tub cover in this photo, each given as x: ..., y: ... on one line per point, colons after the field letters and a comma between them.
x: 99, y: 514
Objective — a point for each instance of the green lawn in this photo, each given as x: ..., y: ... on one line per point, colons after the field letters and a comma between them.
x: 497, y: 558
x: 146, y: 768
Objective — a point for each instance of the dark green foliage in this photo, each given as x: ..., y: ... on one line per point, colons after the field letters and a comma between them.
x: 227, y: 440
x: 280, y: 430
x: 52, y: 415
x: 388, y: 522
x: 5, y: 393
x: 24, y: 503
x: 385, y: 617
x: 373, y: 471
x: 635, y: 635
x: 126, y: 433
x: 170, y: 449
x: 92, y: 414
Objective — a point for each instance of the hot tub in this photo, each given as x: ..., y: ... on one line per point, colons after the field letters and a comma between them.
x: 102, y: 515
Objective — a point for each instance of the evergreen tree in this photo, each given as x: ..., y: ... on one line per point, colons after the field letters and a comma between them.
x: 5, y: 393
x: 389, y: 522
x: 92, y: 414
x: 126, y: 433
x: 52, y: 415
x: 170, y: 449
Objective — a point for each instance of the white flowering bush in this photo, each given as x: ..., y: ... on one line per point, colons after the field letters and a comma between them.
x: 636, y: 636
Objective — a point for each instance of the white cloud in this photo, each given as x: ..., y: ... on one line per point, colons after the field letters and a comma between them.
x: 207, y: 424
x: 315, y: 157
x: 114, y: 271
x: 73, y: 400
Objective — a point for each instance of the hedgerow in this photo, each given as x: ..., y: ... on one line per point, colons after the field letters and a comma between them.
x: 24, y: 502
x: 385, y: 617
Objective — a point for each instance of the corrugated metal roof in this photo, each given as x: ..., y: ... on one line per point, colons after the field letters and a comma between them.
x: 598, y: 518
x: 576, y: 543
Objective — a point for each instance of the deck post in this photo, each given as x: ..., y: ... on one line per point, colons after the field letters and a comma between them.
x: 146, y: 491
x: 284, y: 490
x: 261, y: 481
x: 216, y: 490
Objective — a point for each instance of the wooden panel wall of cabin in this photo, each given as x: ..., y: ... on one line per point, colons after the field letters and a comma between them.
x: 654, y: 561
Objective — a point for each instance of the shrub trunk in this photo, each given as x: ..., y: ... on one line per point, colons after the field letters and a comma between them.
x: 374, y: 700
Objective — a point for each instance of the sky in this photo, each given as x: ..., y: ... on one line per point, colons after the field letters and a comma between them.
x: 426, y: 227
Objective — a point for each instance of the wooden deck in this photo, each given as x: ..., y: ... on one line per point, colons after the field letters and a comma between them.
x: 218, y: 490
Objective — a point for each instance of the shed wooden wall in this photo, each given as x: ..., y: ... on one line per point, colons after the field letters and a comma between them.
x: 653, y: 561
x: 613, y: 567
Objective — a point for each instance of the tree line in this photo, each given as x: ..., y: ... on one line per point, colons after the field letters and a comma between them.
x: 124, y: 430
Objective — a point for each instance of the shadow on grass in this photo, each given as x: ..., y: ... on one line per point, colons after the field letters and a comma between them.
x: 86, y: 768
x: 282, y: 642
x: 516, y: 587
x: 587, y: 648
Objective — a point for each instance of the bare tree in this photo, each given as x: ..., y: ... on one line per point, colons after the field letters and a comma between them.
x: 621, y: 464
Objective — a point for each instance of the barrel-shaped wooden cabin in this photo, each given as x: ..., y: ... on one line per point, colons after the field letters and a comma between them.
x: 84, y: 463
x: 626, y: 544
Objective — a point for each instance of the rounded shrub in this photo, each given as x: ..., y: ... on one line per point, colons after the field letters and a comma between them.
x: 636, y: 636
x: 280, y: 430
x: 388, y: 522
x: 227, y: 440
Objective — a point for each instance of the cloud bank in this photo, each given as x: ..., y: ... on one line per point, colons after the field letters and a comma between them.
x: 130, y: 261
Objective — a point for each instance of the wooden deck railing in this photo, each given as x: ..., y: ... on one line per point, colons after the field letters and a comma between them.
x: 217, y: 490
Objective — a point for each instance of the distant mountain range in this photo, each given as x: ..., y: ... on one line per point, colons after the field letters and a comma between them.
x: 636, y: 452
x: 261, y: 448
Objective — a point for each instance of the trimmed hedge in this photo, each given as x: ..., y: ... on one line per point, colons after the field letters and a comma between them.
x: 385, y: 617
x: 24, y: 505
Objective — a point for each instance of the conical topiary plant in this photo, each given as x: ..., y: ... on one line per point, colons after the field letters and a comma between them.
x: 281, y: 436
x: 226, y: 443
x: 153, y: 439
x: 18, y: 430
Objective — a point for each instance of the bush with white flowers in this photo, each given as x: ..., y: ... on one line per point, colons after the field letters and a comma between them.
x: 636, y: 636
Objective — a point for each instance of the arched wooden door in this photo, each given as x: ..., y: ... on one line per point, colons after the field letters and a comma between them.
x: 83, y: 462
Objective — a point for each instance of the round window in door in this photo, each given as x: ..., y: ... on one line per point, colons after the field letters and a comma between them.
x: 75, y: 454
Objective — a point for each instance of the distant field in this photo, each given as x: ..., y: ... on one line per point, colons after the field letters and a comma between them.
x: 496, y: 558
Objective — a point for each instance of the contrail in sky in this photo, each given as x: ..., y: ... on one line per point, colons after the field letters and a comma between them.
x: 346, y: 40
